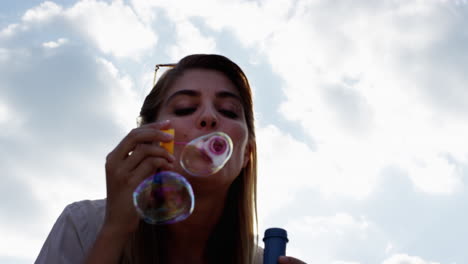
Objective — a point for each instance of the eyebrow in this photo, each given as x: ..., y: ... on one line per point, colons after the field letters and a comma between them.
x: 192, y: 93
x: 226, y: 94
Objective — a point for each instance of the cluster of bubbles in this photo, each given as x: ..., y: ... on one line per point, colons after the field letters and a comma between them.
x: 167, y: 197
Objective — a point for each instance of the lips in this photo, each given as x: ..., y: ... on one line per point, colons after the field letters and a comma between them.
x: 205, y: 156
x: 217, y: 145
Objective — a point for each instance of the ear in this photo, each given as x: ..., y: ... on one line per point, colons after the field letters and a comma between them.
x: 247, y: 152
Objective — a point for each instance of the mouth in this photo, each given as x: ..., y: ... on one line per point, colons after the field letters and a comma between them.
x: 205, y: 157
x: 217, y: 145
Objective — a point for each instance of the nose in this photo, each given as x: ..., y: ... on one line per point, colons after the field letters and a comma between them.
x: 207, y: 119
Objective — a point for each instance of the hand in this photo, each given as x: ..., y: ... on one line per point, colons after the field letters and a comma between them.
x: 289, y: 260
x: 136, y: 157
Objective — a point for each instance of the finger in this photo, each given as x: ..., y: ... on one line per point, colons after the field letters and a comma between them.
x: 138, y: 136
x: 145, y: 150
x: 148, y: 167
x: 289, y: 260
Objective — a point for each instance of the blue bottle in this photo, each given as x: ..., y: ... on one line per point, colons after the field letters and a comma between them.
x: 275, y: 245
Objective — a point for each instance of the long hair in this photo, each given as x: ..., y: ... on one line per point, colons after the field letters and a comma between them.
x: 232, y: 240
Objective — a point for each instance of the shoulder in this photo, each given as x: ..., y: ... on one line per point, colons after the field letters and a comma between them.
x: 73, y: 233
x: 87, y: 217
x: 86, y: 209
x: 258, y: 256
x: 81, y: 221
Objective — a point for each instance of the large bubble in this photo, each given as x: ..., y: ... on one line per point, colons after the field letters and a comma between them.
x: 207, y: 154
x: 167, y: 197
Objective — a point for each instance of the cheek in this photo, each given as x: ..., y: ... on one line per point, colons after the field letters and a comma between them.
x: 181, y: 131
x: 183, y: 138
x: 180, y: 141
x: 240, y: 145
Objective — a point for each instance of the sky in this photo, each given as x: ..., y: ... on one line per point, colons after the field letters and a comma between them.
x: 361, y: 113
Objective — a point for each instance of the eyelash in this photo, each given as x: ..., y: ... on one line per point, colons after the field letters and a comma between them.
x: 184, y: 111
x: 190, y: 110
x: 229, y: 114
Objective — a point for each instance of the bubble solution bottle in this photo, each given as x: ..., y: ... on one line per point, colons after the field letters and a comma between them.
x: 275, y: 245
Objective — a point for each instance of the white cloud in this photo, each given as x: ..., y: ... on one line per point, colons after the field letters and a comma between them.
x: 4, y: 55
x: 287, y: 175
x: 250, y: 21
x: 336, y: 170
x: 5, y: 113
x: 435, y: 174
x: 335, y: 226
x: 125, y: 103
x: 389, y: 248
x: 406, y: 259
x: 114, y: 28
x: 43, y: 12
x: 14, y: 237
x: 68, y: 184
x: 11, y: 121
x: 9, y: 30
x: 55, y: 44
x: 350, y: 82
x: 189, y: 40
x: 326, y: 236
x: 72, y: 174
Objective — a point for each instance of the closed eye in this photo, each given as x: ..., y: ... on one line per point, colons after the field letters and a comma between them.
x: 229, y: 113
x: 184, y: 111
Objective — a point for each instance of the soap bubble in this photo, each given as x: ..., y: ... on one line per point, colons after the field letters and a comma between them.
x: 164, y: 198
x: 207, y: 154
x: 167, y: 197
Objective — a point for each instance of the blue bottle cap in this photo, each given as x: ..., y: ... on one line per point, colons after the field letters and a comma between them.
x: 276, y: 232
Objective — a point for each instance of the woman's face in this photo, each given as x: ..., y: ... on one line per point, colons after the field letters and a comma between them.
x: 204, y: 101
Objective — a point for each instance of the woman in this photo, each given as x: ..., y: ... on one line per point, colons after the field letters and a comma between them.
x: 201, y: 94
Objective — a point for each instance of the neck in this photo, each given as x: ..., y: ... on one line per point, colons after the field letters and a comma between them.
x: 188, y: 239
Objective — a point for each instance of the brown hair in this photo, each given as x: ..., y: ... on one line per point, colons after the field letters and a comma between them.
x: 232, y: 240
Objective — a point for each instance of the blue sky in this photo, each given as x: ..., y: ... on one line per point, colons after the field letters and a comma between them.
x: 361, y: 114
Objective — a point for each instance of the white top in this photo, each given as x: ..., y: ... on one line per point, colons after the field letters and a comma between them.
x: 75, y: 231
